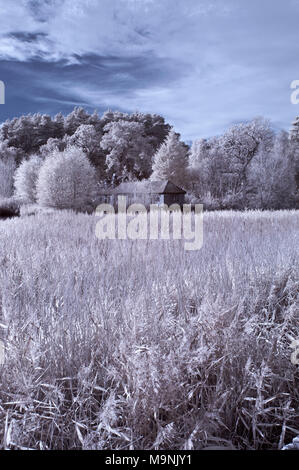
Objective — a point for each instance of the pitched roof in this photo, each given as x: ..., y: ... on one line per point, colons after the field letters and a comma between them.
x: 145, y: 187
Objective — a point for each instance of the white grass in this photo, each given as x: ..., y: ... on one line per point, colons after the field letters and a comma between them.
x: 142, y: 345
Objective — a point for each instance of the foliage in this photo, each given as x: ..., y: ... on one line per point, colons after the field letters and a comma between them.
x: 247, y: 167
x: 129, y: 151
x: 66, y: 181
x: 25, y: 179
x: 7, y: 170
x: 38, y: 133
x: 171, y: 160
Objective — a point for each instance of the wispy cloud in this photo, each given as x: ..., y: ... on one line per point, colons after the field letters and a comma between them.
x: 202, y: 63
x: 67, y: 29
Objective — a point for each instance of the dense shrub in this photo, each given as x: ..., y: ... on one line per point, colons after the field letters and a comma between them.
x: 67, y: 180
x: 9, y: 207
x: 34, y: 209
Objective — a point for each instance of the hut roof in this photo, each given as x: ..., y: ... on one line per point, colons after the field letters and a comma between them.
x: 145, y: 187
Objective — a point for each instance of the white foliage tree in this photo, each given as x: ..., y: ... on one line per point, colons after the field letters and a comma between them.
x: 242, y: 142
x: 88, y: 139
x: 203, y: 165
x: 26, y: 179
x: 171, y: 160
x: 130, y: 150
x: 271, y: 176
x: 67, y: 181
x: 7, y: 170
x: 52, y: 145
x: 220, y: 167
x: 200, y: 150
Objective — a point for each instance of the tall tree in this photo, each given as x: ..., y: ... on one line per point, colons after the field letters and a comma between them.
x: 129, y: 150
x: 241, y: 143
x: 88, y: 139
x: 203, y: 165
x: 294, y: 138
x: 271, y: 178
x: 73, y: 120
x: 220, y: 167
x: 7, y: 170
x: 171, y: 160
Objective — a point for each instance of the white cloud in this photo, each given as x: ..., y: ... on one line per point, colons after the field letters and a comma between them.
x: 233, y: 61
x: 108, y: 27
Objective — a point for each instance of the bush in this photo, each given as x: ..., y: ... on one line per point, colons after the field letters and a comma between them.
x: 26, y: 178
x: 210, y: 203
x: 9, y: 207
x: 34, y: 209
x: 67, y: 181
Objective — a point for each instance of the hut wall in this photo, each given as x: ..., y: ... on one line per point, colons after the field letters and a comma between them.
x: 174, y: 199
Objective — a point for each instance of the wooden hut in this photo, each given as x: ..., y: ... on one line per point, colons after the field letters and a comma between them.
x: 145, y: 192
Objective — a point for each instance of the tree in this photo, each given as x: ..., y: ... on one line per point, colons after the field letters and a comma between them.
x: 67, y: 181
x: 7, y: 170
x: 154, y: 125
x: 203, y: 158
x: 10, y: 153
x: 129, y: 150
x: 51, y: 146
x: 171, y: 160
x: 200, y: 150
x: 88, y: 139
x: 220, y: 167
x: 271, y: 177
x: 294, y: 131
x: 37, y: 133
x: 294, y: 138
x: 241, y: 143
x: 26, y: 177
x: 74, y: 120
x: 28, y: 133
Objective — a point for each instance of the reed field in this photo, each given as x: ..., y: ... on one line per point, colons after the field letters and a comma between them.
x: 121, y: 344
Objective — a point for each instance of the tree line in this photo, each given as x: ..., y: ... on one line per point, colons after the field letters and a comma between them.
x: 61, y: 161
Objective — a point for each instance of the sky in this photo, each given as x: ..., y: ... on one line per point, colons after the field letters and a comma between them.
x: 202, y: 64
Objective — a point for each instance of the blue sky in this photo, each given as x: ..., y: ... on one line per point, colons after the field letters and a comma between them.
x: 204, y: 65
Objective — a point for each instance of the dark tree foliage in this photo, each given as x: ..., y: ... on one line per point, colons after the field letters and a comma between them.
x: 40, y: 134
x: 29, y: 133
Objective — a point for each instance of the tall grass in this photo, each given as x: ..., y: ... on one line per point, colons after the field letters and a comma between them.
x: 121, y: 344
